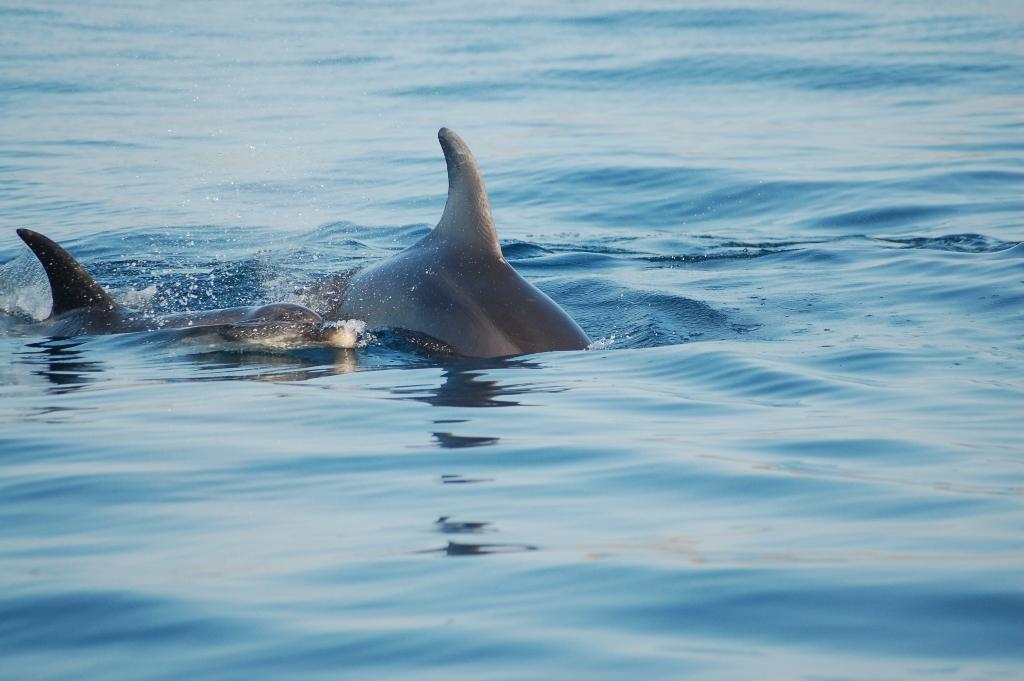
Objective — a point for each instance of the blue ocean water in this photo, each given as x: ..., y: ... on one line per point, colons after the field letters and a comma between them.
x: 795, y: 230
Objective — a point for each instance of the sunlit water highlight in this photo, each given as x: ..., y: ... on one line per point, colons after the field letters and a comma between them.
x: 794, y: 451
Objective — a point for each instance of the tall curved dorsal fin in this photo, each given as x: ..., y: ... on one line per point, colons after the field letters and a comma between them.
x: 71, y: 286
x: 466, y: 225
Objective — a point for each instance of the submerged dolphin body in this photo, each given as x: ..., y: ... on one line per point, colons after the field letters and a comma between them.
x: 455, y: 286
x: 80, y: 306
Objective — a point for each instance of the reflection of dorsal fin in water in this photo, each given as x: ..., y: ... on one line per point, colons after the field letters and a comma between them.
x: 71, y: 286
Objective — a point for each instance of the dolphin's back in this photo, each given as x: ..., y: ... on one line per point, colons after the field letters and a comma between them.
x: 478, y: 308
x: 455, y: 285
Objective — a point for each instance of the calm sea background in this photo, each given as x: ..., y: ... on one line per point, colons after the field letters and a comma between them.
x: 795, y: 451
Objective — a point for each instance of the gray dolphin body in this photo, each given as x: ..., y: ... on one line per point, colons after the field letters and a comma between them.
x: 80, y: 306
x: 455, y: 286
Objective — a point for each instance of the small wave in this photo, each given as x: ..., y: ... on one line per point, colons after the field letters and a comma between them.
x: 756, y: 69
x: 50, y: 87
x: 27, y: 12
x: 343, y: 60
x: 703, y: 18
x: 110, y: 618
x: 961, y: 243
x: 679, y: 260
x: 887, y: 217
x: 521, y: 250
x: 631, y: 318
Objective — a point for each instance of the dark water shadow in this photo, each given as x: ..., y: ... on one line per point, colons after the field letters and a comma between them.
x: 62, y: 363
x: 459, y: 479
x: 460, y: 549
x: 471, y: 383
x: 467, y: 384
x: 452, y: 441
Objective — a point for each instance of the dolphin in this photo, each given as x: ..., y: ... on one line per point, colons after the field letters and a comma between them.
x: 80, y: 306
x: 454, y: 285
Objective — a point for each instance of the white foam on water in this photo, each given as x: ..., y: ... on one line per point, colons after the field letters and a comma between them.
x: 602, y: 343
x: 24, y: 291
x: 137, y: 298
x: 347, y: 333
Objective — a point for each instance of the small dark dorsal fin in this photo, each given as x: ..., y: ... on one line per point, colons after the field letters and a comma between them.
x: 71, y: 287
x: 466, y: 225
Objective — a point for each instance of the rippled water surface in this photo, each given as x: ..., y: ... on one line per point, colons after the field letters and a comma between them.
x: 794, y: 231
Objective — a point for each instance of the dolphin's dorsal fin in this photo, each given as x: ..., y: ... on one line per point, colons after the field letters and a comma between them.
x: 71, y: 287
x: 466, y: 227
